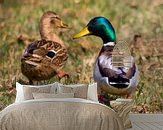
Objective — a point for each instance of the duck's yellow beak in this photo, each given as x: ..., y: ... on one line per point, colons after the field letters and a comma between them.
x: 82, y: 33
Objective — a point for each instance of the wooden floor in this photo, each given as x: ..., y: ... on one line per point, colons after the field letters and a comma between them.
x: 146, y: 121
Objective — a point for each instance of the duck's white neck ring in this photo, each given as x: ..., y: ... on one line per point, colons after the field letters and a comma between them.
x: 109, y: 44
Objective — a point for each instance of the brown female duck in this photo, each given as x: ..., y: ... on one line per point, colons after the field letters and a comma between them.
x: 45, y: 58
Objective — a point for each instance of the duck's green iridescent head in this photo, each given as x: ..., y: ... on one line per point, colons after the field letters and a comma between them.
x: 101, y: 27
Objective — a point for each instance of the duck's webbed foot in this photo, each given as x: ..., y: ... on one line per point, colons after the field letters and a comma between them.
x: 62, y: 74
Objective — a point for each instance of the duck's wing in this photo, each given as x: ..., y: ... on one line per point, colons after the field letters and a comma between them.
x: 35, y: 48
x: 46, y: 51
x: 105, y: 71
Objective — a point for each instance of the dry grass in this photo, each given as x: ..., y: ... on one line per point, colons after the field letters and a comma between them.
x: 128, y: 17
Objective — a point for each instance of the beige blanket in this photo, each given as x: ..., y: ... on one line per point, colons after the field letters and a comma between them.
x: 59, y: 114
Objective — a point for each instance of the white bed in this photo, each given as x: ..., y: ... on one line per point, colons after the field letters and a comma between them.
x: 46, y: 113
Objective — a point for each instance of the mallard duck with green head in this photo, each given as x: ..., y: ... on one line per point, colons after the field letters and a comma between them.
x: 114, y: 76
x: 45, y: 58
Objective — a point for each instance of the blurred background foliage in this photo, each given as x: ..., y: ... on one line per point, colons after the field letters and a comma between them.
x: 137, y: 22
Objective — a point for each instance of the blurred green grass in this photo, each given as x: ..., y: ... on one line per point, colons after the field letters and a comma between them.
x: 128, y: 17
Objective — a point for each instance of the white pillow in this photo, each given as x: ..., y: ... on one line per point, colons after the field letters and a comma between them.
x: 79, y: 90
x: 51, y: 95
x: 92, y: 92
x: 19, y: 93
x: 24, y: 92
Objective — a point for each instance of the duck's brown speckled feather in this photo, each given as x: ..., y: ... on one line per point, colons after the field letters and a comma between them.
x: 44, y: 67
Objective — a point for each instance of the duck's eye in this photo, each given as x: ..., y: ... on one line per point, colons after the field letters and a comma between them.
x: 96, y: 23
x: 51, y: 54
x: 56, y: 17
x: 54, y: 20
x: 90, y: 28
